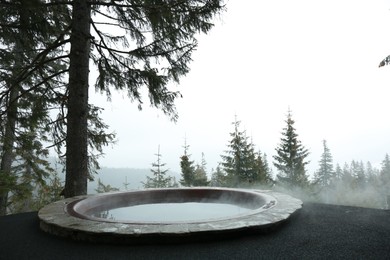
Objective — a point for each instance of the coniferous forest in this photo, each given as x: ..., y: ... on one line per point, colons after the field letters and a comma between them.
x: 242, y: 165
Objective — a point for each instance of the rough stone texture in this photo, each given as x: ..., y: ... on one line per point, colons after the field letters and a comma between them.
x: 55, y: 219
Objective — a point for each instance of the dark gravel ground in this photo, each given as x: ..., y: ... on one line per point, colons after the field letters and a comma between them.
x: 317, y: 231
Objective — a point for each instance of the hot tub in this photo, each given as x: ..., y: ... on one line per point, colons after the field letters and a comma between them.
x: 167, y: 215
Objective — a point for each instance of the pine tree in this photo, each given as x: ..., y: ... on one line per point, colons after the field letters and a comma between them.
x: 347, y: 179
x: 357, y: 172
x: 102, y: 188
x: 325, y: 174
x: 263, y: 175
x: 239, y: 161
x: 200, y: 174
x: 187, y: 168
x: 159, y: 179
x: 338, y: 172
x: 218, y: 178
x: 372, y: 176
x: 385, y: 172
x: 253, y: 165
x: 290, y: 159
x: 385, y: 180
x: 268, y: 171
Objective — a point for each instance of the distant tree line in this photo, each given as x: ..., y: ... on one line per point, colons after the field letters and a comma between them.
x: 242, y: 166
x: 355, y: 184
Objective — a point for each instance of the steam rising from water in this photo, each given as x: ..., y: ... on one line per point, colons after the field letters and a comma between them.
x: 163, y: 212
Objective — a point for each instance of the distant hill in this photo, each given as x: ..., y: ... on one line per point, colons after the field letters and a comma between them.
x: 117, y: 177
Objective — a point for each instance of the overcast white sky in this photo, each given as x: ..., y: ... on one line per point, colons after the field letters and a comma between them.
x: 320, y: 58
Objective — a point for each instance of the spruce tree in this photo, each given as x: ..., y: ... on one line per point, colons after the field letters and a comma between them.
x: 160, y: 178
x: 325, y: 174
x: 372, y: 176
x: 338, y: 172
x: 200, y: 174
x: 290, y: 159
x: 385, y: 172
x: 358, y: 174
x: 268, y: 170
x: 187, y: 168
x: 239, y: 161
x: 385, y: 180
x: 347, y: 179
x: 263, y: 174
x: 102, y: 188
x: 324, y: 178
x: 218, y: 178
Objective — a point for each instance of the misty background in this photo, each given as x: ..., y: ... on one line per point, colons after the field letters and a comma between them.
x: 318, y: 58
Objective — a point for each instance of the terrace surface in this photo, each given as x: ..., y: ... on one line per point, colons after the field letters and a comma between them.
x: 318, y: 231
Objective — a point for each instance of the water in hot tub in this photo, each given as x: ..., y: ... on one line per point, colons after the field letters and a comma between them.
x: 173, y: 212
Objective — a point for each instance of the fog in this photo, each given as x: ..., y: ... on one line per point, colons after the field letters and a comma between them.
x: 320, y: 59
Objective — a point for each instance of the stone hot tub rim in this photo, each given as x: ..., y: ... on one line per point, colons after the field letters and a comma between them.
x: 68, y: 218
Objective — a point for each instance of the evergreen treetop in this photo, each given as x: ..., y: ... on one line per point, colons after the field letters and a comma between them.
x: 187, y: 168
x: 290, y: 159
x: 325, y: 174
x: 240, y: 163
x: 160, y: 178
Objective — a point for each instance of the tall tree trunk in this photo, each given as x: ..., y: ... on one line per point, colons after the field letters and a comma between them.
x: 7, y: 156
x: 77, y: 125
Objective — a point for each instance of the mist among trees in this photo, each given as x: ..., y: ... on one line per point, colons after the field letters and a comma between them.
x: 243, y: 165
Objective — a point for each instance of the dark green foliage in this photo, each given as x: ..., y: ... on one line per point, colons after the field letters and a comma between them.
x: 264, y: 175
x: 239, y: 163
x: 187, y: 168
x: 101, y: 188
x: 153, y: 48
x: 218, y: 178
x: 192, y: 175
x: 325, y: 174
x: 200, y: 174
x: 290, y: 159
x: 187, y: 171
x: 232, y: 161
x: 29, y: 84
x: 160, y: 178
x: 31, y: 194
